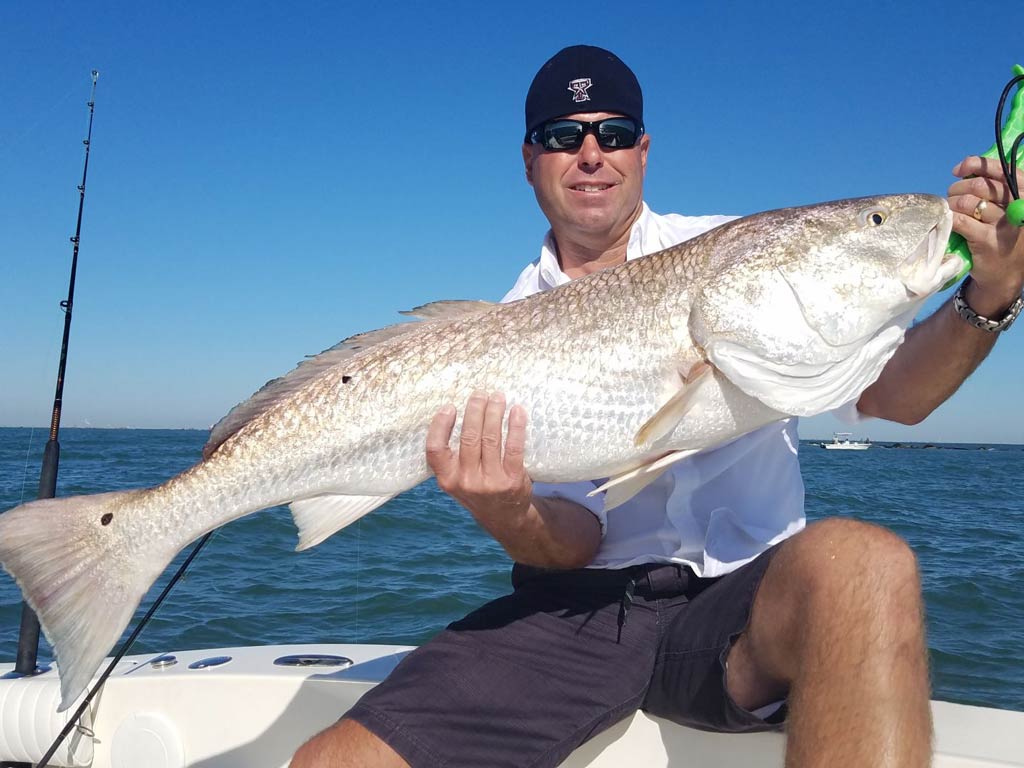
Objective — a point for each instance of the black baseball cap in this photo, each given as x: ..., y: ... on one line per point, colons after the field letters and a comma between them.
x: 583, y: 78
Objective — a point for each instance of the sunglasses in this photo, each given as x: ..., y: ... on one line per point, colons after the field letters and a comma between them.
x: 563, y: 135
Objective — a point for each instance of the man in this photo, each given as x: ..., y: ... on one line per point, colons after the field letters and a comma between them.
x: 706, y: 601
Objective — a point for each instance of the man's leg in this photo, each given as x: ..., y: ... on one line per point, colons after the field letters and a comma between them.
x: 512, y: 684
x: 346, y: 744
x: 838, y: 622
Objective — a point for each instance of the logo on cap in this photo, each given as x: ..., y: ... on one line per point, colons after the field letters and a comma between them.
x: 579, y: 89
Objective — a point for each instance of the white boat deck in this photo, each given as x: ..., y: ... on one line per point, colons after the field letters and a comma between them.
x: 250, y: 713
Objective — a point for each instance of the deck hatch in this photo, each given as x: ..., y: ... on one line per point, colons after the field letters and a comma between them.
x: 313, y: 660
x: 210, y: 661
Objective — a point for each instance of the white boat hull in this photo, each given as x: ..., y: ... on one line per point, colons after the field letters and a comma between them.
x: 249, y: 713
x: 843, y: 441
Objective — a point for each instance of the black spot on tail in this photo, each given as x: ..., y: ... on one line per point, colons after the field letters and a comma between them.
x: 105, y: 520
x: 346, y: 379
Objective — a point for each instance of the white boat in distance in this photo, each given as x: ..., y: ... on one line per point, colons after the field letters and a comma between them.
x: 843, y: 441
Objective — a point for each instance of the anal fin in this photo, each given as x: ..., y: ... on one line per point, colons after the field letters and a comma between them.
x: 319, y: 517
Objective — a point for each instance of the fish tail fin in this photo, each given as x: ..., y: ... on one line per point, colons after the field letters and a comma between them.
x: 79, y: 568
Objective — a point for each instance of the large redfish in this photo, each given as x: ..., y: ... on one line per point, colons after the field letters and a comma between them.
x: 622, y: 372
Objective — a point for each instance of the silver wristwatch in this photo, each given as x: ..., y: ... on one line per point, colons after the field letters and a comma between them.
x: 992, y: 326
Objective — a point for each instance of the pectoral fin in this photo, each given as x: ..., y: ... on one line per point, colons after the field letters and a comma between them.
x: 319, y: 517
x: 672, y: 412
x: 622, y: 488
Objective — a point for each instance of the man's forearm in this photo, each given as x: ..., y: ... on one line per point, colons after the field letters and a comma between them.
x: 551, y: 533
x: 931, y: 364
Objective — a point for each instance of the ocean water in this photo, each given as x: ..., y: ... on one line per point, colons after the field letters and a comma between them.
x: 403, y: 572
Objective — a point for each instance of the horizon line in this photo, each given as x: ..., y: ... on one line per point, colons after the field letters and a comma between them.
x: 802, y: 439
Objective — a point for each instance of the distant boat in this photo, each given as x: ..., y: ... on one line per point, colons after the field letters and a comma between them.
x: 842, y: 441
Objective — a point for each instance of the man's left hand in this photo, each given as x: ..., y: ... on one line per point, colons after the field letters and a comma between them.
x: 996, y: 245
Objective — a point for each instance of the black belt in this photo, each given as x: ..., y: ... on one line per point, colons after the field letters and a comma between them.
x: 651, y: 580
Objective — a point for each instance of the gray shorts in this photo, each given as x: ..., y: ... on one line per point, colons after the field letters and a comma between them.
x: 529, y: 677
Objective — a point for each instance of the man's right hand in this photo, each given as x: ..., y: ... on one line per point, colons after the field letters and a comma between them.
x: 487, y: 481
x: 494, y: 486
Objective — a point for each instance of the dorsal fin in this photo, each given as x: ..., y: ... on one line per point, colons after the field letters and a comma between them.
x: 353, y: 345
x: 278, y: 389
x: 448, y: 309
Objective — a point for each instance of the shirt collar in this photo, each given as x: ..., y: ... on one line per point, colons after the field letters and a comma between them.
x: 551, y: 274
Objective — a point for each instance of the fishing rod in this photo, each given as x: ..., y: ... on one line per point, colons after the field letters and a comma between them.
x: 28, y: 639
x: 28, y: 636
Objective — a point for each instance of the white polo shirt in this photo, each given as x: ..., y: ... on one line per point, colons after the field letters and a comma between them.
x: 714, y: 511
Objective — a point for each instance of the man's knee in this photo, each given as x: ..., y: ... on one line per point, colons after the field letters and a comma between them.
x: 848, y: 565
x: 845, y: 547
x: 346, y: 744
x: 839, y: 584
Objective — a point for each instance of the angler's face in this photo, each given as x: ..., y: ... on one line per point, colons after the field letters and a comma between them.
x: 590, y: 191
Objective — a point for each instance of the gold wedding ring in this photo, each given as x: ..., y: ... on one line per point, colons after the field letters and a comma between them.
x: 980, y: 209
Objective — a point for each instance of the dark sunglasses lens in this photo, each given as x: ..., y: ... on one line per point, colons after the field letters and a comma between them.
x: 563, y: 134
x: 617, y: 133
x: 611, y: 133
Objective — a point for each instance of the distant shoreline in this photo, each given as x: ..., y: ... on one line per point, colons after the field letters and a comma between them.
x: 114, y: 429
x: 922, y: 445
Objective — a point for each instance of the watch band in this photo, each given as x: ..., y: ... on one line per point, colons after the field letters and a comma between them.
x: 979, y: 321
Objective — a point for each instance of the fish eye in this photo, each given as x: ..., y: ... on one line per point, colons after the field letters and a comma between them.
x: 873, y: 217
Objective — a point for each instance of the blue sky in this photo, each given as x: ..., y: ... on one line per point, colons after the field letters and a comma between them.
x: 267, y: 179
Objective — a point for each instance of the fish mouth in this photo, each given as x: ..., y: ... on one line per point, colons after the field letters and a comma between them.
x: 930, y: 266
